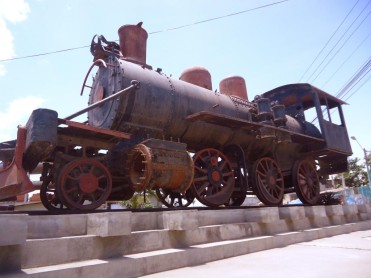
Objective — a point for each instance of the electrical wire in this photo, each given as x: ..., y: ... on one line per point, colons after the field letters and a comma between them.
x: 341, y: 47
x: 346, y: 60
x: 351, y: 83
x: 154, y: 32
x: 336, y: 44
x: 368, y: 79
x: 219, y: 17
x: 328, y: 41
x: 354, y: 78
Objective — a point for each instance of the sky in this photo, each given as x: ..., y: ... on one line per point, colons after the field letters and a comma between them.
x: 270, y: 47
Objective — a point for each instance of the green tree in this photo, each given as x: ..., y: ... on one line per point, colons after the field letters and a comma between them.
x: 356, y: 175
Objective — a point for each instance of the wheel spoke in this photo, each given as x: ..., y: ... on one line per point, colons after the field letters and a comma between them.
x: 223, y: 165
x: 72, y: 189
x: 92, y: 197
x: 103, y: 176
x: 80, y: 200
x: 203, y: 178
x: 263, y: 174
x: 209, y: 191
x: 204, y: 171
x: 203, y: 187
x: 100, y: 189
x: 91, y: 171
x: 80, y: 169
x: 73, y: 178
x: 227, y: 174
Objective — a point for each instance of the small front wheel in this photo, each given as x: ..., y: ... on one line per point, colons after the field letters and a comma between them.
x: 84, y: 184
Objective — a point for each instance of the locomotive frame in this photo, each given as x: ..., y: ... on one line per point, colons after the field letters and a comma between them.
x: 130, y: 143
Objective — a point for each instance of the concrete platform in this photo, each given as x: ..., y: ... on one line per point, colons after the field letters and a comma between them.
x: 125, y: 244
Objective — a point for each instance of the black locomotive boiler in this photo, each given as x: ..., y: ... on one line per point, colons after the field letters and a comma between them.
x: 146, y: 130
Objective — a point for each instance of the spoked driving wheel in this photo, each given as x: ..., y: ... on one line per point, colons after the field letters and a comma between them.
x: 214, y: 180
x: 268, y: 181
x: 84, y: 184
x: 174, y: 199
x: 306, y: 182
x: 48, y: 194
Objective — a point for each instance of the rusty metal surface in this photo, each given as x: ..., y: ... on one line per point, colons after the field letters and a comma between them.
x: 160, y: 164
x: 292, y: 94
x: 197, y: 76
x: 14, y: 179
x: 306, y: 181
x: 79, y: 129
x: 84, y: 184
x: 133, y: 42
x: 7, y: 150
x: 234, y: 86
x: 243, y: 124
x: 268, y: 182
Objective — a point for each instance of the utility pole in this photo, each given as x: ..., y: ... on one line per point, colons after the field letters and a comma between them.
x: 366, y: 159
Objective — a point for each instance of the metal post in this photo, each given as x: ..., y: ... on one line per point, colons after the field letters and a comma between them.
x: 366, y: 159
x: 367, y: 167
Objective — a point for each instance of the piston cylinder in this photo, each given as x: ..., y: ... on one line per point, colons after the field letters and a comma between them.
x: 197, y: 76
x: 133, y: 42
x: 160, y: 164
x: 234, y: 86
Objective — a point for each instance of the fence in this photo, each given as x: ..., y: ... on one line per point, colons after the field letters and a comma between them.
x: 357, y: 195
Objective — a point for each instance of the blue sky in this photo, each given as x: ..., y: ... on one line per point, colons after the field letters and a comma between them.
x: 269, y: 47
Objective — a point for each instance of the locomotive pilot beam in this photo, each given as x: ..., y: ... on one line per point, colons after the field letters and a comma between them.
x: 180, y: 137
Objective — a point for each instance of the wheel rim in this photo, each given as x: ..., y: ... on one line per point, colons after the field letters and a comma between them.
x: 84, y: 184
x: 268, y: 181
x: 213, y: 181
x: 306, y: 182
x: 48, y: 194
x: 174, y: 199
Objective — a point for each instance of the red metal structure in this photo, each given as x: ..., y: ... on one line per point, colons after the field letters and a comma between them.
x: 143, y: 127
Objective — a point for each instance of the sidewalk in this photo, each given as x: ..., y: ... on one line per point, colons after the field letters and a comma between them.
x: 347, y: 255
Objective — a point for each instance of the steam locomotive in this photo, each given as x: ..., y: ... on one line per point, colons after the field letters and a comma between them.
x: 148, y: 131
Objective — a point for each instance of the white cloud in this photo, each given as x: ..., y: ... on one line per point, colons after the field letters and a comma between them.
x: 12, y: 11
x: 17, y: 112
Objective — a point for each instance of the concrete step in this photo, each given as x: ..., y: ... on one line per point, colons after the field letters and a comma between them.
x: 41, y: 243
x: 143, y: 263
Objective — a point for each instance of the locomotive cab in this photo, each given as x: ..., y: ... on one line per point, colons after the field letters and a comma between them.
x: 318, y: 110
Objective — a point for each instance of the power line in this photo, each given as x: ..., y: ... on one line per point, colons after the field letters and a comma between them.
x: 323, y: 48
x: 219, y: 17
x: 354, y: 78
x: 45, y: 53
x: 346, y: 60
x: 368, y: 79
x: 341, y: 47
x: 350, y: 84
x: 154, y: 32
x: 336, y: 44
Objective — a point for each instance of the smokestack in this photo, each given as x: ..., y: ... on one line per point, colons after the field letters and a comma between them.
x: 133, y: 42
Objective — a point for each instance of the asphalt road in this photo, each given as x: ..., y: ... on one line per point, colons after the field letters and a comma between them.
x: 347, y: 255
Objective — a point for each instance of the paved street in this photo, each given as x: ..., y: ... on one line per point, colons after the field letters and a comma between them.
x: 347, y: 255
